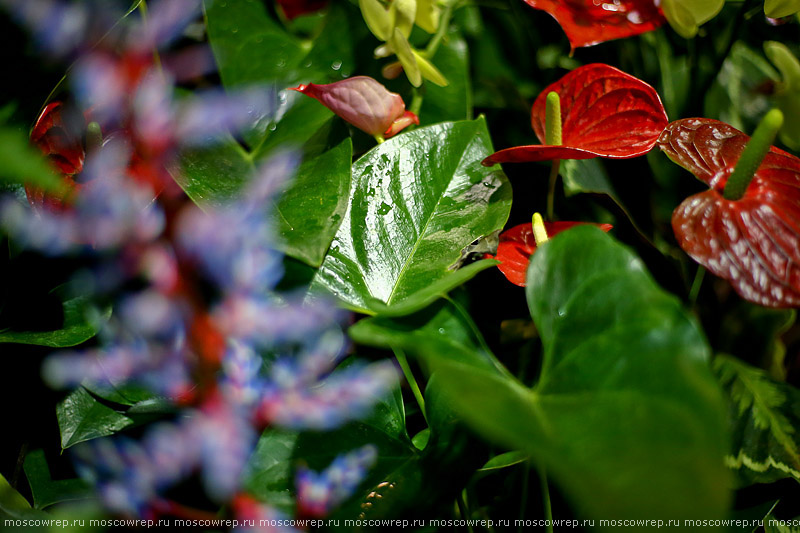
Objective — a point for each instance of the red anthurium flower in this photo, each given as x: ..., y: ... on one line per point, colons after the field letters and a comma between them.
x: 518, y: 244
x: 364, y: 103
x: 295, y: 8
x: 588, y: 22
x: 753, y: 242
x: 58, y: 140
x: 61, y: 142
x: 604, y: 113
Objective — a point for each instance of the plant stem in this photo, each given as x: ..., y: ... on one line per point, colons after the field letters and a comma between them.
x: 696, y: 284
x: 156, y: 58
x: 462, y: 509
x: 412, y: 382
x: 548, y: 510
x: 441, y: 31
x: 551, y: 188
x: 526, y: 474
x: 753, y: 154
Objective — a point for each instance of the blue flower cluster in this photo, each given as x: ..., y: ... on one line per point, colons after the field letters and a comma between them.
x: 196, y: 315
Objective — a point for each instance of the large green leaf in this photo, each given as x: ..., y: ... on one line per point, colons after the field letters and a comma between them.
x: 312, y: 205
x: 417, y: 201
x: 627, y: 368
x: 81, y: 417
x: 764, y: 415
x: 252, y: 48
x: 77, y: 328
x: 626, y: 404
x: 47, y: 491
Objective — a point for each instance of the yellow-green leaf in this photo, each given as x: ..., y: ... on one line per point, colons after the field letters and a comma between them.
x: 428, y: 71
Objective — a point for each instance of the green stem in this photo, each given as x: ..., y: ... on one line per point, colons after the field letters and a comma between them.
x: 156, y: 58
x: 551, y: 188
x: 548, y: 509
x: 462, y: 509
x: 441, y: 31
x: 412, y: 382
x: 696, y: 284
x: 753, y: 154
x: 526, y: 474
x: 416, y: 100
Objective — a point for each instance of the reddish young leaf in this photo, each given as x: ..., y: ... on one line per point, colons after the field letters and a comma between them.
x: 60, y: 141
x: 604, y: 113
x: 753, y: 242
x: 294, y: 8
x: 589, y: 22
x: 364, y: 103
x: 518, y: 244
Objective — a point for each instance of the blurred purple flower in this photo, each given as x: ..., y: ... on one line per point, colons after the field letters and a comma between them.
x: 319, y: 493
x: 291, y: 402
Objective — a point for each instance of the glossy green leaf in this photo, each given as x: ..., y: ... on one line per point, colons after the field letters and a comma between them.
x: 77, y: 328
x: 764, y: 415
x: 504, y: 460
x: 252, y: 48
x: 311, y: 206
x: 417, y: 201
x: 626, y: 367
x: 249, y: 45
x: 454, y: 101
x: 625, y: 404
x: 47, y: 491
x: 81, y: 417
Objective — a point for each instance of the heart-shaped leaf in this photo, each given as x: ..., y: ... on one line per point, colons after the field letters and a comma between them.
x: 417, y: 200
x: 77, y: 328
x: 763, y: 414
x: 753, y: 242
x: 518, y: 244
x: 587, y: 23
x: 311, y: 207
x: 47, y: 491
x: 81, y: 417
x: 625, y: 404
x: 604, y: 113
